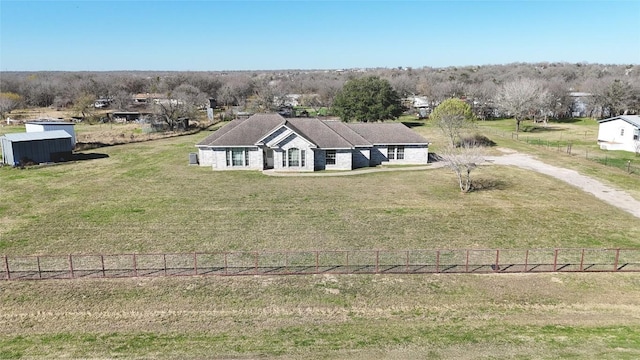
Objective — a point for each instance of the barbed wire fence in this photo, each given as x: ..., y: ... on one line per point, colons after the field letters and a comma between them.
x: 476, y: 261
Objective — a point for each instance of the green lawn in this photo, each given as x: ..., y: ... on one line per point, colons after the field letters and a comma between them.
x: 144, y: 197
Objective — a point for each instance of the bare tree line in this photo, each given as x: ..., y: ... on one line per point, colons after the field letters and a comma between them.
x: 613, y: 89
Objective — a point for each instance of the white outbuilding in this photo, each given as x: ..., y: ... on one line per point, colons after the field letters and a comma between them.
x: 38, y: 126
x: 620, y: 133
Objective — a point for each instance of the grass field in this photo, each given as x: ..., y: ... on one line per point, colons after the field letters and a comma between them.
x: 143, y: 197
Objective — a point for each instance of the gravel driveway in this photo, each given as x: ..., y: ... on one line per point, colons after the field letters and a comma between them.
x: 603, y: 192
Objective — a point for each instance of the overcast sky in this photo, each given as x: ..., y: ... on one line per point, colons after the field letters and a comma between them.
x: 267, y: 35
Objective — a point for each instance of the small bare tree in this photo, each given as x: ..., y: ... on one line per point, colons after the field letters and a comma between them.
x: 462, y: 161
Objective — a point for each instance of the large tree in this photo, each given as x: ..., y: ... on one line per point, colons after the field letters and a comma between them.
x: 522, y: 98
x: 8, y: 102
x: 452, y: 116
x: 367, y: 99
x: 181, y: 103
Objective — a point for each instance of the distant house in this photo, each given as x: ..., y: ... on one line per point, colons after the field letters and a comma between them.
x: 36, y: 147
x: 269, y: 141
x: 125, y: 116
x: 38, y: 126
x: 620, y: 133
x: 579, y: 101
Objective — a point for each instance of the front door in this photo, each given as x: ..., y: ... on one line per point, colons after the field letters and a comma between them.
x: 268, y: 158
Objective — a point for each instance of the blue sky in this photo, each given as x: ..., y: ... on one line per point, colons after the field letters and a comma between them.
x: 266, y: 35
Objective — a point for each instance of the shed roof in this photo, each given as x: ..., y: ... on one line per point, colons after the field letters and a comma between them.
x: 50, y: 123
x: 631, y: 119
x: 38, y: 135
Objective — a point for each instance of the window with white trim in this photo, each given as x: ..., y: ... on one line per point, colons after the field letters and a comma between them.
x: 395, y: 152
x: 330, y: 157
x: 294, y: 157
x: 237, y: 157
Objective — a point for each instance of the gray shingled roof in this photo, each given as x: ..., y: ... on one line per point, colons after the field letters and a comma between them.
x: 319, y: 133
x: 347, y: 133
x: 387, y: 133
x: 324, y: 134
x: 244, y: 132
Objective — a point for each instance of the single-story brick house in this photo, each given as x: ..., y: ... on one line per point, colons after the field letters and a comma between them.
x: 620, y: 133
x: 269, y: 141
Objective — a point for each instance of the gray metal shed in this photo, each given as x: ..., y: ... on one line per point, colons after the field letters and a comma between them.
x: 39, y: 147
x: 37, y: 126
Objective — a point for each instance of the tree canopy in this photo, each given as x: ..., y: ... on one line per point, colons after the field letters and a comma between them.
x: 367, y: 99
x: 523, y: 98
x: 451, y: 116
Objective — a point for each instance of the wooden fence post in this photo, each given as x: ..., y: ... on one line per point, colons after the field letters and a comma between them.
x: 497, y: 267
x: 317, y: 261
x: 555, y: 260
x: 377, y: 261
x: 615, y: 265
x: 582, y: 260
x: 526, y: 260
x: 102, y: 262
x: 438, y: 261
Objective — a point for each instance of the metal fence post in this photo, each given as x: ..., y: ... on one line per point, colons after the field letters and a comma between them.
x: 466, y: 262
x: 347, y: 252
x: 135, y: 266
x: 102, y: 262
x: 195, y: 262
x: 39, y: 271
x: 256, y: 263
x: 407, y: 261
x: 164, y: 263
x: 226, y: 266
x: 6, y: 266
x: 71, y: 266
